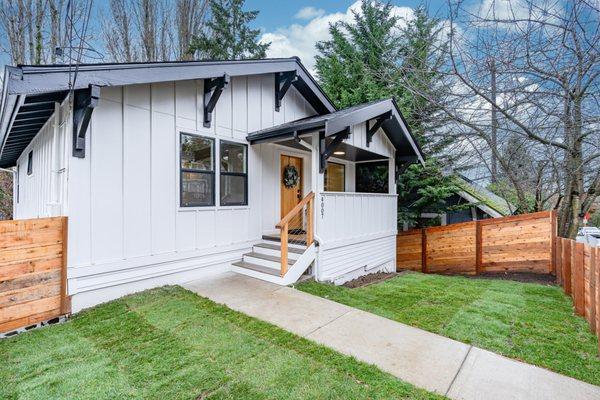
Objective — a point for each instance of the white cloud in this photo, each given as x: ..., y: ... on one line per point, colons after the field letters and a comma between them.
x: 309, y: 13
x: 300, y: 39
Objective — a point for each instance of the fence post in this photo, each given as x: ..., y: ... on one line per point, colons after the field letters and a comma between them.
x: 597, y: 251
x: 478, y: 248
x: 553, y: 236
x: 424, y: 250
x: 567, y: 249
x: 593, y: 289
x: 558, y: 261
x: 578, y: 286
x: 65, y: 301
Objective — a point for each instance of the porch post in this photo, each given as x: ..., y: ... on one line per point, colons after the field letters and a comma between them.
x: 317, y: 184
x: 392, y: 188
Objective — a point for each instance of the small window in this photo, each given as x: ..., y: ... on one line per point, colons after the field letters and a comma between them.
x: 335, y: 177
x: 30, y: 163
x: 197, y: 179
x: 234, y: 174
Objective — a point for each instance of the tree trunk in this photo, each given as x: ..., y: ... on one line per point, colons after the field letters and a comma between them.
x: 494, y: 122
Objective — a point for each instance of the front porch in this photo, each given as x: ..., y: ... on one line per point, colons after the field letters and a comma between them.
x: 329, y: 194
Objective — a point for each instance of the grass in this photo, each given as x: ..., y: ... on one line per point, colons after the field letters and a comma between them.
x: 168, y: 343
x: 529, y: 322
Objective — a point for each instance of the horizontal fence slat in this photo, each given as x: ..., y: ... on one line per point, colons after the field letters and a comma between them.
x: 520, y: 243
x: 32, y: 271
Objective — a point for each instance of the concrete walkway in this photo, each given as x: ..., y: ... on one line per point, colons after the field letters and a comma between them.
x: 424, y: 359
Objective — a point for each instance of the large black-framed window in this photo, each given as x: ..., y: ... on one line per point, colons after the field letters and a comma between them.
x: 335, y: 177
x: 372, y: 177
x: 197, y: 171
x: 233, y: 174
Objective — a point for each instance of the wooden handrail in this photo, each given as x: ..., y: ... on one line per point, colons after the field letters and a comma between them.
x: 295, y: 210
x: 283, y: 225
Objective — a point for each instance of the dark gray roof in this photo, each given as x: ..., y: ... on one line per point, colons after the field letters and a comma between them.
x: 29, y: 92
x: 395, y: 128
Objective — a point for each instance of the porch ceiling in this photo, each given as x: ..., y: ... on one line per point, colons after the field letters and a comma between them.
x: 351, y: 153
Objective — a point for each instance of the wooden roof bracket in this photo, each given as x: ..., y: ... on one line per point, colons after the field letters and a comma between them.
x: 327, y: 150
x: 84, y: 102
x: 379, y: 120
x: 283, y: 81
x: 213, y: 87
x: 402, y: 164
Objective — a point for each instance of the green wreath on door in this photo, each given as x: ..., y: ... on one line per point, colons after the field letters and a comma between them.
x: 291, y: 176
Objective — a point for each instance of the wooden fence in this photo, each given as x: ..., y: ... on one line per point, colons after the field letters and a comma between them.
x: 32, y: 271
x: 578, y: 272
x: 520, y: 243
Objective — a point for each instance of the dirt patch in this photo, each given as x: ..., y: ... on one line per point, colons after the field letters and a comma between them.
x: 369, y: 279
x: 526, y: 277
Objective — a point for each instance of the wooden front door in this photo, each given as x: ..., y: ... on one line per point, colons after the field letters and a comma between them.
x: 290, y: 196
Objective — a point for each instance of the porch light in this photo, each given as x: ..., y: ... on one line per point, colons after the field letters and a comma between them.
x: 339, y: 153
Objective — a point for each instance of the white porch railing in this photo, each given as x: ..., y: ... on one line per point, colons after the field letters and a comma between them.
x: 343, y: 216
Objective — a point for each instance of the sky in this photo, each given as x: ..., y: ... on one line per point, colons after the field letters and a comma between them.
x: 293, y: 27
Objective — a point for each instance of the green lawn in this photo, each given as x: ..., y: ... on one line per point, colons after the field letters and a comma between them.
x: 169, y: 343
x: 529, y: 322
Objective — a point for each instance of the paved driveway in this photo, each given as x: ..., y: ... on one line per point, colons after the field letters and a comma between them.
x: 426, y: 360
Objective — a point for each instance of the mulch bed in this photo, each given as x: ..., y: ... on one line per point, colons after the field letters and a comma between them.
x: 369, y: 279
x: 526, y: 277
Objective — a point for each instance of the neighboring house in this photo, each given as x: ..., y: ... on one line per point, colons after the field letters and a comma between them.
x: 171, y: 171
x: 472, y: 202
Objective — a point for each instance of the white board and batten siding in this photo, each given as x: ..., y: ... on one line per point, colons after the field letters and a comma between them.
x: 357, y: 233
x: 380, y: 144
x: 42, y: 193
x: 126, y: 229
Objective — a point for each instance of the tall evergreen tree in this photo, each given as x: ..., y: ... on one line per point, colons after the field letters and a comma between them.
x: 360, y: 61
x: 229, y: 36
x: 377, y: 56
x: 422, y: 53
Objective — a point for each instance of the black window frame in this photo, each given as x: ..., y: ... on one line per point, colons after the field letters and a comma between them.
x: 30, y: 163
x: 357, y: 176
x: 242, y: 174
x: 195, y: 170
x: 344, y: 180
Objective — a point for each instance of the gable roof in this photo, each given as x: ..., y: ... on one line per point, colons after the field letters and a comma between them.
x: 29, y: 92
x: 395, y: 128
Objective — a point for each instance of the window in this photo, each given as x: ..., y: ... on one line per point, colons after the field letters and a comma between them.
x: 234, y: 174
x: 335, y: 177
x: 30, y: 163
x: 197, y: 178
x: 372, y: 177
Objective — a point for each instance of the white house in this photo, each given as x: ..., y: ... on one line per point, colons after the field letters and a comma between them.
x: 168, y: 172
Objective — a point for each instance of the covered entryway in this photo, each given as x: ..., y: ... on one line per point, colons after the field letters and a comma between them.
x: 335, y: 178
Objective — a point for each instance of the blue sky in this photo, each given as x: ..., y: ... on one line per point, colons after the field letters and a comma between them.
x: 294, y: 27
x: 275, y: 14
